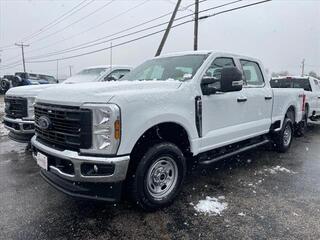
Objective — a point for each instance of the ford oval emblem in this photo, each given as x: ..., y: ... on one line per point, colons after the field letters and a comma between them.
x: 44, y: 122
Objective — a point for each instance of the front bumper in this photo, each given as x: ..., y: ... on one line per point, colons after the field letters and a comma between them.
x: 108, y: 192
x: 76, y: 161
x: 20, y: 130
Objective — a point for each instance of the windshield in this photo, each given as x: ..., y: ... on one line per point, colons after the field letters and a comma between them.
x: 180, y: 68
x: 87, y: 75
x: 291, y: 83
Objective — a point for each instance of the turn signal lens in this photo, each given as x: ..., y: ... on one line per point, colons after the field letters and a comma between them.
x: 117, y: 129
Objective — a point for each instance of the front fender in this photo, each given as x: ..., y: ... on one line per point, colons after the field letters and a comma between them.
x: 132, y: 134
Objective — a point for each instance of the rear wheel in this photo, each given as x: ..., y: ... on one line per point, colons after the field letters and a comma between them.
x: 303, y: 126
x: 283, y: 139
x: 158, y: 176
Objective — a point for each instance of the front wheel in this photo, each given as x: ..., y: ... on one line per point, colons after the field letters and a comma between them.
x: 5, y: 85
x: 158, y: 177
x: 283, y: 139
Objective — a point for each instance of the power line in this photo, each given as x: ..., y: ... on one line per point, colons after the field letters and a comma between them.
x: 75, y: 22
x: 53, y: 23
x: 91, y: 28
x: 150, y: 34
x: 57, y: 20
x: 126, y: 35
x: 88, y: 44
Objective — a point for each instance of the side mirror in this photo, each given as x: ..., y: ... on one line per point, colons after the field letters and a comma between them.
x: 231, y: 79
x: 207, y: 85
x: 121, y: 76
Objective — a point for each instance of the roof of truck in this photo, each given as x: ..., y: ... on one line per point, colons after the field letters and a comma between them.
x: 108, y: 66
x: 202, y: 52
x: 294, y: 77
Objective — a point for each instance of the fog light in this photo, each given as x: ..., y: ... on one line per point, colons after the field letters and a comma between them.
x: 89, y: 169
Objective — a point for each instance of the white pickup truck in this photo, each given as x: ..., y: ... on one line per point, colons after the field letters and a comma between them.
x: 19, y: 101
x: 311, y: 88
x: 138, y: 135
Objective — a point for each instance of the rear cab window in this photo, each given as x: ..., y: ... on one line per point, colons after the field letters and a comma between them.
x: 290, y: 82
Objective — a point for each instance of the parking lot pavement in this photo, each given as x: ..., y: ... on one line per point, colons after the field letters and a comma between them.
x: 258, y: 195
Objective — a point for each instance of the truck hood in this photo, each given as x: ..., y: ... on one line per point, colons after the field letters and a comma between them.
x: 76, y: 94
x: 27, y: 91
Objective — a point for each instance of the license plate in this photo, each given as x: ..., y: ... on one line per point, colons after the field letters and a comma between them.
x: 42, y: 160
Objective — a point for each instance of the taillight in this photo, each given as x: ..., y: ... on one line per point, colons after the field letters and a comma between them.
x: 303, y: 102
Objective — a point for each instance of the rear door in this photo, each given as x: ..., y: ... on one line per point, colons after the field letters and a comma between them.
x: 259, y: 99
x: 316, y: 90
x: 311, y: 96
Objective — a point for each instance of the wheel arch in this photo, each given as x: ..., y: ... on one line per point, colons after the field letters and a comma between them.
x: 168, y: 131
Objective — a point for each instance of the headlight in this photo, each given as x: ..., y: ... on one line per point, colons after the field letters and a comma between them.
x: 106, y: 128
x: 31, y: 102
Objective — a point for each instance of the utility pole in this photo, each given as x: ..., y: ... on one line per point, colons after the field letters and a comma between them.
x: 57, y: 70
x: 70, y: 70
x: 111, y: 56
x: 302, y: 67
x: 196, y: 25
x: 165, y: 36
x: 22, y: 50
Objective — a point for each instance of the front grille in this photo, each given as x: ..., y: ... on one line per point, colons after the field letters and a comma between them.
x: 69, y: 128
x: 16, y: 107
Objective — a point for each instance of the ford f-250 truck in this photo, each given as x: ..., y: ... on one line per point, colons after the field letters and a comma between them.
x: 311, y: 88
x: 137, y: 136
x: 19, y: 111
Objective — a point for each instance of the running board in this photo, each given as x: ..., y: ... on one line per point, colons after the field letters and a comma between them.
x: 244, y: 149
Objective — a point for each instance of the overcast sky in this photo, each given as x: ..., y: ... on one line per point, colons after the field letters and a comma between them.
x: 281, y: 33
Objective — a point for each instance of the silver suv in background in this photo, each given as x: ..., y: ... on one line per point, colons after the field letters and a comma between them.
x: 19, y: 101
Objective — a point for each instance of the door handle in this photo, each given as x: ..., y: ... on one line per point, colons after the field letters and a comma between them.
x: 267, y: 98
x: 243, y: 99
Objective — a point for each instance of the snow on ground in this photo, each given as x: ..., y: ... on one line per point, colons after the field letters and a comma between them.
x: 277, y: 169
x: 211, y: 206
x: 1, y: 107
x: 241, y: 214
x: 3, y: 130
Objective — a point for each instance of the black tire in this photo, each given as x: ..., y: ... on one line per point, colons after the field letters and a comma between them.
x: 303, y: 126
x: 5, y: 85
x: 282, y: 140
x: 140, y: 185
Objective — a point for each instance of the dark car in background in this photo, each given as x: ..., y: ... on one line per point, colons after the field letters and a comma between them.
x: 24, y: 79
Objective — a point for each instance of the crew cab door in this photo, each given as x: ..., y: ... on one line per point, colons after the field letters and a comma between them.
x: 316, y: 90
x: 259, y: 104
x: 223, y: 114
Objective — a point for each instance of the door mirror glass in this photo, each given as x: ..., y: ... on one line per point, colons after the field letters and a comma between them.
x: 231, y: 79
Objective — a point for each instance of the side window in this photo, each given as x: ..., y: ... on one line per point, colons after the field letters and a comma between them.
x: 252, y: 73
x: 123, y: 72
x: 214, y: 71
x: 116, y: 75
x: 317, y: 83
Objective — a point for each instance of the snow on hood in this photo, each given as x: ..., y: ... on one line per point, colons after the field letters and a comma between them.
x: 28, y: 91
x: 76, y: 94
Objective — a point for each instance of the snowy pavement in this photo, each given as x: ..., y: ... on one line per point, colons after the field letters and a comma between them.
x: 257, y: 195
